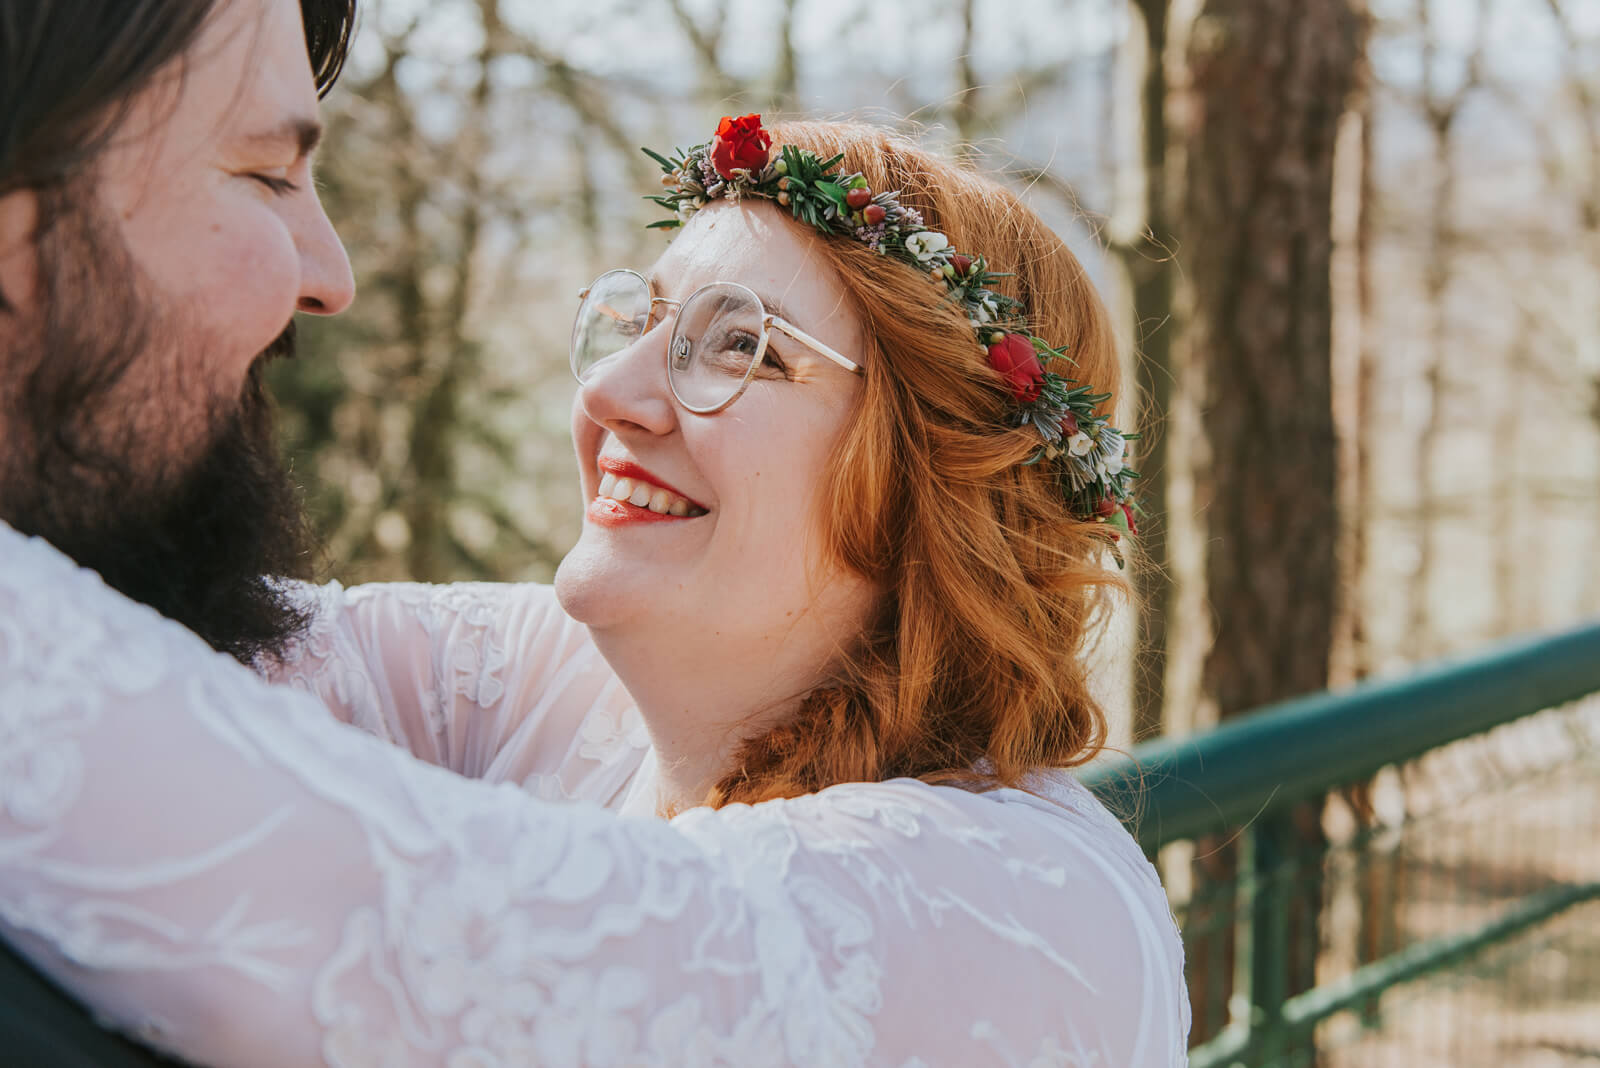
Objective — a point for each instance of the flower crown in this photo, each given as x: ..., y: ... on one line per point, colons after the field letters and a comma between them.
x: 737, y: 163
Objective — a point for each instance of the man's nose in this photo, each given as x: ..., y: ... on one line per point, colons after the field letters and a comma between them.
x: 327, y: 285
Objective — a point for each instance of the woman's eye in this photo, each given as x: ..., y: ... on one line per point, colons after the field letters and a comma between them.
x: 736, y: 343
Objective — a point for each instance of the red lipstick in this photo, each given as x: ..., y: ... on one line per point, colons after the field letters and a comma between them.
x: 629, y: 469
x: 609, y: 512
x: 606, y: 512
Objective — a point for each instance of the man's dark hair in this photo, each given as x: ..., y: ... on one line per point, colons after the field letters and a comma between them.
x: 68, y: 69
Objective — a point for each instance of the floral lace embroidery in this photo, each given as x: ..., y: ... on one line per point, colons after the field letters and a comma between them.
x: 292, y: 891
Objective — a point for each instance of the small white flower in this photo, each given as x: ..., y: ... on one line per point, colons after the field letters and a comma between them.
x: 1080, y: 444
x: 1113, y: 451
x: 925, y: 244
x: 982, y: 314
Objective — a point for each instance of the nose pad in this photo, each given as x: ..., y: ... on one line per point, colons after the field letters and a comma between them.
x: 680, y: 353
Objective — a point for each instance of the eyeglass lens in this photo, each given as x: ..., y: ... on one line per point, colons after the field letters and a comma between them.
x: 614, y: 314
x: 716, y: 339
x: 713, y: 344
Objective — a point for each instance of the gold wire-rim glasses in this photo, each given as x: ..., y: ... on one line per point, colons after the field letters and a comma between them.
x: 769, y: 322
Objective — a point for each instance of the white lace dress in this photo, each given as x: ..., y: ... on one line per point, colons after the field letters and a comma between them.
x: 219, y: 866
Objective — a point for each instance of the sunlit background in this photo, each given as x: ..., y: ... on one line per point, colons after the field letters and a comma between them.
x: 483, y: 163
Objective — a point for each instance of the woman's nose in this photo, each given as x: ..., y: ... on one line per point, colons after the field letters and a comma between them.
x: 629, y: 389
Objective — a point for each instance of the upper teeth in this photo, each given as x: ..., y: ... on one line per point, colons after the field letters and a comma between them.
x: 644, y: 495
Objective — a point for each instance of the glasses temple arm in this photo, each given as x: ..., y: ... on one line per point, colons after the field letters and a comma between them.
x: 815, y: 345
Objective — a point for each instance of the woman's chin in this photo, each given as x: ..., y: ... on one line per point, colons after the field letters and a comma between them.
x: 577, y: 586
x: 597, y: 589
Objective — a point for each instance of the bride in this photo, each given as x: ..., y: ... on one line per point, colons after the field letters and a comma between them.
x: 853, y: 514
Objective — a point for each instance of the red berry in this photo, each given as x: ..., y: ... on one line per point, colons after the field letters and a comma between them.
x: 961, y: 263
x: 1105, y: 507
x: 874, y: 214
x: 858, y: 198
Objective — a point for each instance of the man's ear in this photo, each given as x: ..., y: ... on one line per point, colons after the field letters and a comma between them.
x: 19, y: 217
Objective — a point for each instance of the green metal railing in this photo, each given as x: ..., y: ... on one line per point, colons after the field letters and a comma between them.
x: 1254, y: 773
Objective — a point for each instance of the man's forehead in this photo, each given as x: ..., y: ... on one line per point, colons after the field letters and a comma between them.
x: 254, y: 68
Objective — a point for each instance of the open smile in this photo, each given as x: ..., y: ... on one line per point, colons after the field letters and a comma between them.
x: 628, y: 491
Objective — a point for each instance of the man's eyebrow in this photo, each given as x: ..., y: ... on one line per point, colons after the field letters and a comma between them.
x: 301, y: 134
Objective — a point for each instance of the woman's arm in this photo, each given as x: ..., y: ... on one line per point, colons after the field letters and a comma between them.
x: 492, y: 680
x: 215, y: 864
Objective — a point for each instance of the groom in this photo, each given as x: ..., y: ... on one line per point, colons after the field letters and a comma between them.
x: 158, y: 231
x: 159, y: 228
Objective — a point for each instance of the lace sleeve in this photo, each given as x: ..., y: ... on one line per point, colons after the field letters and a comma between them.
x: 492, y: 680
x: 217, y: 866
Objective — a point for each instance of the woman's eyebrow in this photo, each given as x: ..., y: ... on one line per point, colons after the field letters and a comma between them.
x: 775, y: 307
x: 771, y: 303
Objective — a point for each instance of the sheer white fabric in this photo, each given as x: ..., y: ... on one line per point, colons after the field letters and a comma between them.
x: 217, y: 865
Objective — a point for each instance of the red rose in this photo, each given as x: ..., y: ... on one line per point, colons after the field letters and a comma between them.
x: 740, y: 144
x: 1014, y: 357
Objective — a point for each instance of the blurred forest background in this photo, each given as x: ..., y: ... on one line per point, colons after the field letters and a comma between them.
x: 1353, y: 245
x: 1355, y: 252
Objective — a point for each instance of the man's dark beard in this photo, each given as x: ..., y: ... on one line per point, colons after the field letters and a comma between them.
x: 201, y: 539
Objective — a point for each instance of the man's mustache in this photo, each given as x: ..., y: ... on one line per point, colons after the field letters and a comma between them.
x: 282, y: 347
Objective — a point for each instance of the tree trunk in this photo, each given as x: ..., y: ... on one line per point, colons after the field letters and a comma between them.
x: 1376, y: 876
x: 1586, y: 106
x: 1147, y: 258
x: 1270, y: 82
x: 964, y: 107
x: 439, y: 422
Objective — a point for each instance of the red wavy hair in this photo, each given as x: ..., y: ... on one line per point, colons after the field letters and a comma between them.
x: 972, y: 668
